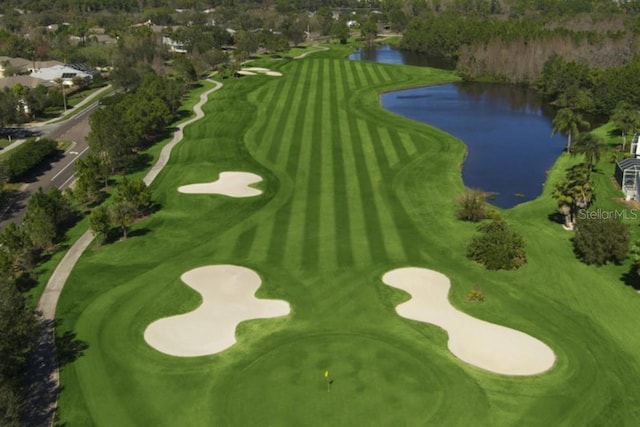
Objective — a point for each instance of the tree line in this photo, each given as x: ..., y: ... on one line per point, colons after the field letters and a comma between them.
x: 22, y: 247
x: 516, y: 49
x: 124, y: 126
x: 48, y: 215
x: 129, y: 122
x: 18, y: 324
x: 591, y: 90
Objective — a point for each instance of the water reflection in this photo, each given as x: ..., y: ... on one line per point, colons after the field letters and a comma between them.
x: 389, y: 55
x: 507, y: 130
x: 516, y: 98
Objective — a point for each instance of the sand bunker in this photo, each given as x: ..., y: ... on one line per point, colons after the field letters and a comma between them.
x: 227, y: 299
x: 486, y: 345
x: 252, y: 71
x: 232, y: 184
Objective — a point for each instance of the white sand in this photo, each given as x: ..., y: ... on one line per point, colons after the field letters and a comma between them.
x: 232, y: 184
x: 253, y: 71
x: 486, y: 345
x: 227, y: 299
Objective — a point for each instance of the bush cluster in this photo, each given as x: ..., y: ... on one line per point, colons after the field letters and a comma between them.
x: 497, y: 247
x: 599, y: 240
x: 27, y: 156
x: 472, y: 205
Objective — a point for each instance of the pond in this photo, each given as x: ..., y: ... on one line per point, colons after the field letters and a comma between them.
x: 507, y: 130
x: 389, y: 55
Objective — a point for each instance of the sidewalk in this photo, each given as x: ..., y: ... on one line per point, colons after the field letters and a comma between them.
x: 61, y: 117
x: 15, y: 144
x: 49, y: 298
x: 75, y: 109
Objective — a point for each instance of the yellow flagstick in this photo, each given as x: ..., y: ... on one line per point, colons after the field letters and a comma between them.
x: 326, y: 377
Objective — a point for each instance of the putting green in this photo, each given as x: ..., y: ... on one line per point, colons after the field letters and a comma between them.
x: 366, y: 384
x: 349, y: 193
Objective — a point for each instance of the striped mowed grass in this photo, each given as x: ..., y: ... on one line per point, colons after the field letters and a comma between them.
x: 350, y: 192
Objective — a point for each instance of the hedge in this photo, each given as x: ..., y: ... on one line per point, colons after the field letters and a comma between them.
x: 27, y: 156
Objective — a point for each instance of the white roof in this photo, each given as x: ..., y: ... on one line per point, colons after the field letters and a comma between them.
x: 58, y: 71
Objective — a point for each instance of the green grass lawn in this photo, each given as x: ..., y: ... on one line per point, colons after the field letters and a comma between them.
x: 350, y: 192
x: 45, y: 270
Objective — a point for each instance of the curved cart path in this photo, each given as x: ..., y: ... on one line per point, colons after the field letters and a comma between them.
x: 319, y: 49
x: 49, y: 299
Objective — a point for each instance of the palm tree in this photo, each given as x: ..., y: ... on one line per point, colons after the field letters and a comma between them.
x: 573, y: 193
x: 591, y: 146
x: 627, y: 118
x: 569, y: 122
x: 59, y: 81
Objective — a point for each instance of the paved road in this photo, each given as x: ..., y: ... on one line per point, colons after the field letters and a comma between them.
x: 60, y: 172
x: 49, y: 299
x: 75, y: 129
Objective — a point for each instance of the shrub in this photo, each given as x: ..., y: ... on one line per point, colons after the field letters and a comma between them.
x: 601, y: 239
x: 475, y: 294
x: 472, y: 205
x: 497, y: 247
x: 27, y: 156
x: 47, y: 216
x: 100, y: 222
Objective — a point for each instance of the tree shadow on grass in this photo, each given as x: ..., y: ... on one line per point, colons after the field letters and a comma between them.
x: 69, y: 348
x: 556, y: 217
x: 26, y: 282
x: 138, y: 232
x: 615, y: 132
x: 51, y: 352
x: 632, y: 278
x: 141, y: 162
x: 181, y: 115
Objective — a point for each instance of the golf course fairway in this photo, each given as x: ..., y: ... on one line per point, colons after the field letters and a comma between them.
x: 348, y: 193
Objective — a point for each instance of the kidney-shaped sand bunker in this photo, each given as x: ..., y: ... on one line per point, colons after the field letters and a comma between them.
x: 483, y: 344
x: 232, y: 184
x: 228, y: 298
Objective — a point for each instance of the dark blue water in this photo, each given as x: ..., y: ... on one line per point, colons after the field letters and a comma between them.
x: 389, y: 55
x: 505, y: 128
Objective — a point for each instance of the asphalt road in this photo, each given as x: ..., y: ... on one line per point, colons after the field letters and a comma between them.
x: 75, y: 129
x: 60, y: 172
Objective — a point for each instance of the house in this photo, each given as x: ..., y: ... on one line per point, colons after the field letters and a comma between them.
x: 27, y: 81
x: 104, y: 38
x: 627, y: 174
x: 65, y: 73
x: 146, y: 23
x: 38, y: 65
x: 635, y: 147
x: 99, y: 35
x: 19, y: 65
x: 173, y: 45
